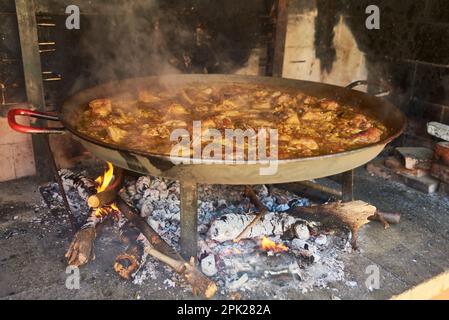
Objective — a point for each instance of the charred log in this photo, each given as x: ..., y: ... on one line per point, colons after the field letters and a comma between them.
x: 160, y: 250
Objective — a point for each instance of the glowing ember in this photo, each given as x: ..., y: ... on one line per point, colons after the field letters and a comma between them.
x: 103, y: 182
x: 269, y: 245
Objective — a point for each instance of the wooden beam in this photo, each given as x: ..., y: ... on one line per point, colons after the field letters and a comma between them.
x: 279, y: 38
x: 29, y: 44
x: 434, y: 289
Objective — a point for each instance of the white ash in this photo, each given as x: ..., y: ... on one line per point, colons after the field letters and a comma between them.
x: 239, y: 266
x: 229, y: 226
x: 311, y: 262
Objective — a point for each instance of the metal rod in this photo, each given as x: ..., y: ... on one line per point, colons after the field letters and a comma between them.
x: 45, y: 24
x: 189, y: 219
x: 46, y: 50
x: 50, y: 43
x: 347, y: 186
x: 321, y: 188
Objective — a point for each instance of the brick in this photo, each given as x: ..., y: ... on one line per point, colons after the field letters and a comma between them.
x: 425, y: 184
x: 7, y: 163
x: 9, y: 136
x: 397, y: 166
x: 443, y: 190
x: 24, y: 159
x: 440, y: 171
x: 416, y: 158
x: 438, y: 130
x: 441, y: 152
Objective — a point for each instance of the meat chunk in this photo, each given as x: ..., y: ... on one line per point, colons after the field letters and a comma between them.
x: 372, y: 135
x: 329, y: 105
x: 176, y: 109
x: 304, y: 143
x: 101, y: 107
x: 116, y: 134
x: 148, y: 97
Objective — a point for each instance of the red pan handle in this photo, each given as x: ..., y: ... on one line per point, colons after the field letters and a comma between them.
x: 13, y: 113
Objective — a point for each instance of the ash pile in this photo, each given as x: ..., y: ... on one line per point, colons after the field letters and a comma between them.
x: 279, y: 254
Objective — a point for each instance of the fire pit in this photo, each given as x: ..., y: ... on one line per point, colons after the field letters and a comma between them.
x: 225, y: 171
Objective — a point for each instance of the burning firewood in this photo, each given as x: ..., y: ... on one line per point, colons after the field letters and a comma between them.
x: 249, y: 192
x: 228, y: 226
x: 81, y: 249
x: 351, y: 214
x: 107, y: 196
x: 160, y: 250
x: 83, y: 185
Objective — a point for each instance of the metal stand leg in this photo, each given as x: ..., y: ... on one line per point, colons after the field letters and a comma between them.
x: 189, y: 220
x: 347, y: 186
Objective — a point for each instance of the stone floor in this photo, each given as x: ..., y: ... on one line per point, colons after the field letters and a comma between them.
x: 33, y: 241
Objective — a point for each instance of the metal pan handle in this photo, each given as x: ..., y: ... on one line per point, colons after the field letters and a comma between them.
x: 386, y: 92
x: 13, y: 113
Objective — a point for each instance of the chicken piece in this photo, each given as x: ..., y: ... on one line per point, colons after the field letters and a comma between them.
x: 359, y: 120
x: 208, y: 124
x: 304, y: 143
x: 176, y: 109
x: 116, y: 134
x: 101, y: 107
x: 291, y: 118
x: 148, y: 97
x: 313, y: 115
x: 264, y: 105
x: 286, y: 99
x: 329, y: 105
x: 175, y: 123
x: 159, y: 131
x: 372, y: 135
x: 309, y: 100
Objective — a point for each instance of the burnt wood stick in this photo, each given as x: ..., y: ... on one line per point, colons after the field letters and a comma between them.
x: 389, y: 217
x: 353, y: 215
x: 160, y: 250
x: 249, y: 192
x: 110, y: 194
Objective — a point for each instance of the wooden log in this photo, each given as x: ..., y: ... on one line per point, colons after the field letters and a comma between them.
x: 83, y: 185
x: 81, y: 248
x: 249, y: 192
x: 228, y: 227
x: 199, y: 282
x: 353, y: 214
x: 107, y: 196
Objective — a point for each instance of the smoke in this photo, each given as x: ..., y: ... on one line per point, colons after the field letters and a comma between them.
x: 129, y: 39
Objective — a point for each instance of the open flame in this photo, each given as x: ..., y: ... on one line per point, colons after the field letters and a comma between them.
x: 105, y: 180
x: 103, y: 183
x: 269, y: 245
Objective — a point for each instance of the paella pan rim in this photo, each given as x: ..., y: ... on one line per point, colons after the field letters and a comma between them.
x: 74, y: 101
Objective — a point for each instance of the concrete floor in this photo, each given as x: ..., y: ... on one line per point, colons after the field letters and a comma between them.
x: 32, y: 264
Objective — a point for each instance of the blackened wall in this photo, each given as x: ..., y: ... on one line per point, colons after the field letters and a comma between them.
x: 410, y: 52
